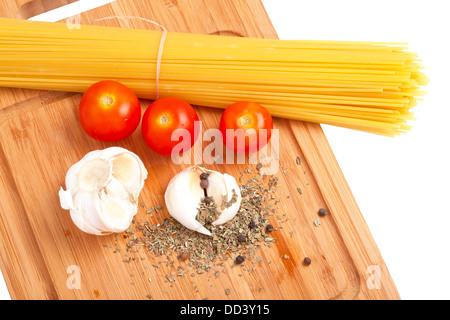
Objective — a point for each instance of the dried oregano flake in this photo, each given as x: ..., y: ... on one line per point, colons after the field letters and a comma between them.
x: 201, y: 252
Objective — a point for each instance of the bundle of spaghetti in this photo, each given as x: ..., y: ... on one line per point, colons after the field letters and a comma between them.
x: 367, y: 86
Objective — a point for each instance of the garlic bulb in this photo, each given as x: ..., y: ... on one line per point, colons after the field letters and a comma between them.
x: 103, y: 189
x: 184, y: 194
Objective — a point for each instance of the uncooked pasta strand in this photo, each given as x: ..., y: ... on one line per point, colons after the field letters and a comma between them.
x: 367, y: 86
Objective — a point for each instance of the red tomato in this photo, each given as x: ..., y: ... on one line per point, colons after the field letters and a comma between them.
x: 162, y: 118
x: 251, y: 118
x: 109, y: 111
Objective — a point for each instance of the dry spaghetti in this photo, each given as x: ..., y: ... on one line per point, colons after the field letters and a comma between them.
x: 368, y: 86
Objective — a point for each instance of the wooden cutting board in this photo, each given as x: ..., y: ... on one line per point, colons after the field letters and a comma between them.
x: 44, y: 256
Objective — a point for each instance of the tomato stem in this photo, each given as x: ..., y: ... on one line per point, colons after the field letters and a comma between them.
x: 163, y: 120
x: 107, y: 100
x: 245, y: 120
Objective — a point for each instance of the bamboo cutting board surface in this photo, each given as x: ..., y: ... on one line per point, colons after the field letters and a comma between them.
x: 41, y: 250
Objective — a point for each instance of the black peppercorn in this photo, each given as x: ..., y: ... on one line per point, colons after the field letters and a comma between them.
x: 322, y: 212
x: 204, y: 184
x: 204, y: 176
x: 242, y: 238
x: 252, y: 224
x: 240, y: 259
x: 207, y: 200
x: 269, y: 228
x: 307, y: 261
x: 184, y: 256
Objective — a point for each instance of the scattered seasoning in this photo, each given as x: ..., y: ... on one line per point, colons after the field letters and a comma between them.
x: 207, y: 200
x: 203, y: 253
x: 204, y: 183
x: 257, y: 260
x: 227, y: 291
x: 183, y: 256
x: 298, y: 161
x: 307, y: 261
x: 242, y: 238
x: 259, y: 166
x: 322, y: 212
x: 317, y: 222
x: 299, y: 190
x: 240, y: 259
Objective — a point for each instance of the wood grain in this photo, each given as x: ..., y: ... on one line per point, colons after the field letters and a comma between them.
x: 41, y: 138
x: 36, y: 7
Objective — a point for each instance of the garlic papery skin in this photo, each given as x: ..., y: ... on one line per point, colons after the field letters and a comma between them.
x: 184, y: 194
x: 103, y: 189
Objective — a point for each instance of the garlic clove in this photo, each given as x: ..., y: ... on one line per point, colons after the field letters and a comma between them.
x: 193, y: 182
x: 94, y: 175
x: 115, y: 189
x: 182, y: 197
x: 184, y: 194
x: 216, y: 187
x: 89, y: 209
x: 232, y: 189
x: 115, y: 213
x: 127, y: 169
x: 84, y: 215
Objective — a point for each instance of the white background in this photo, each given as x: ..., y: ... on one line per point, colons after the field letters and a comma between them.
x: 401, y: 184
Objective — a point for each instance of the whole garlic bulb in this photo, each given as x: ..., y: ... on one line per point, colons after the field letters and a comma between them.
x: 184, y: 194
x: 103, y: 189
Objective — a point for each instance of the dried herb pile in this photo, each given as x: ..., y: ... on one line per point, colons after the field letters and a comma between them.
x: 238, y: 239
